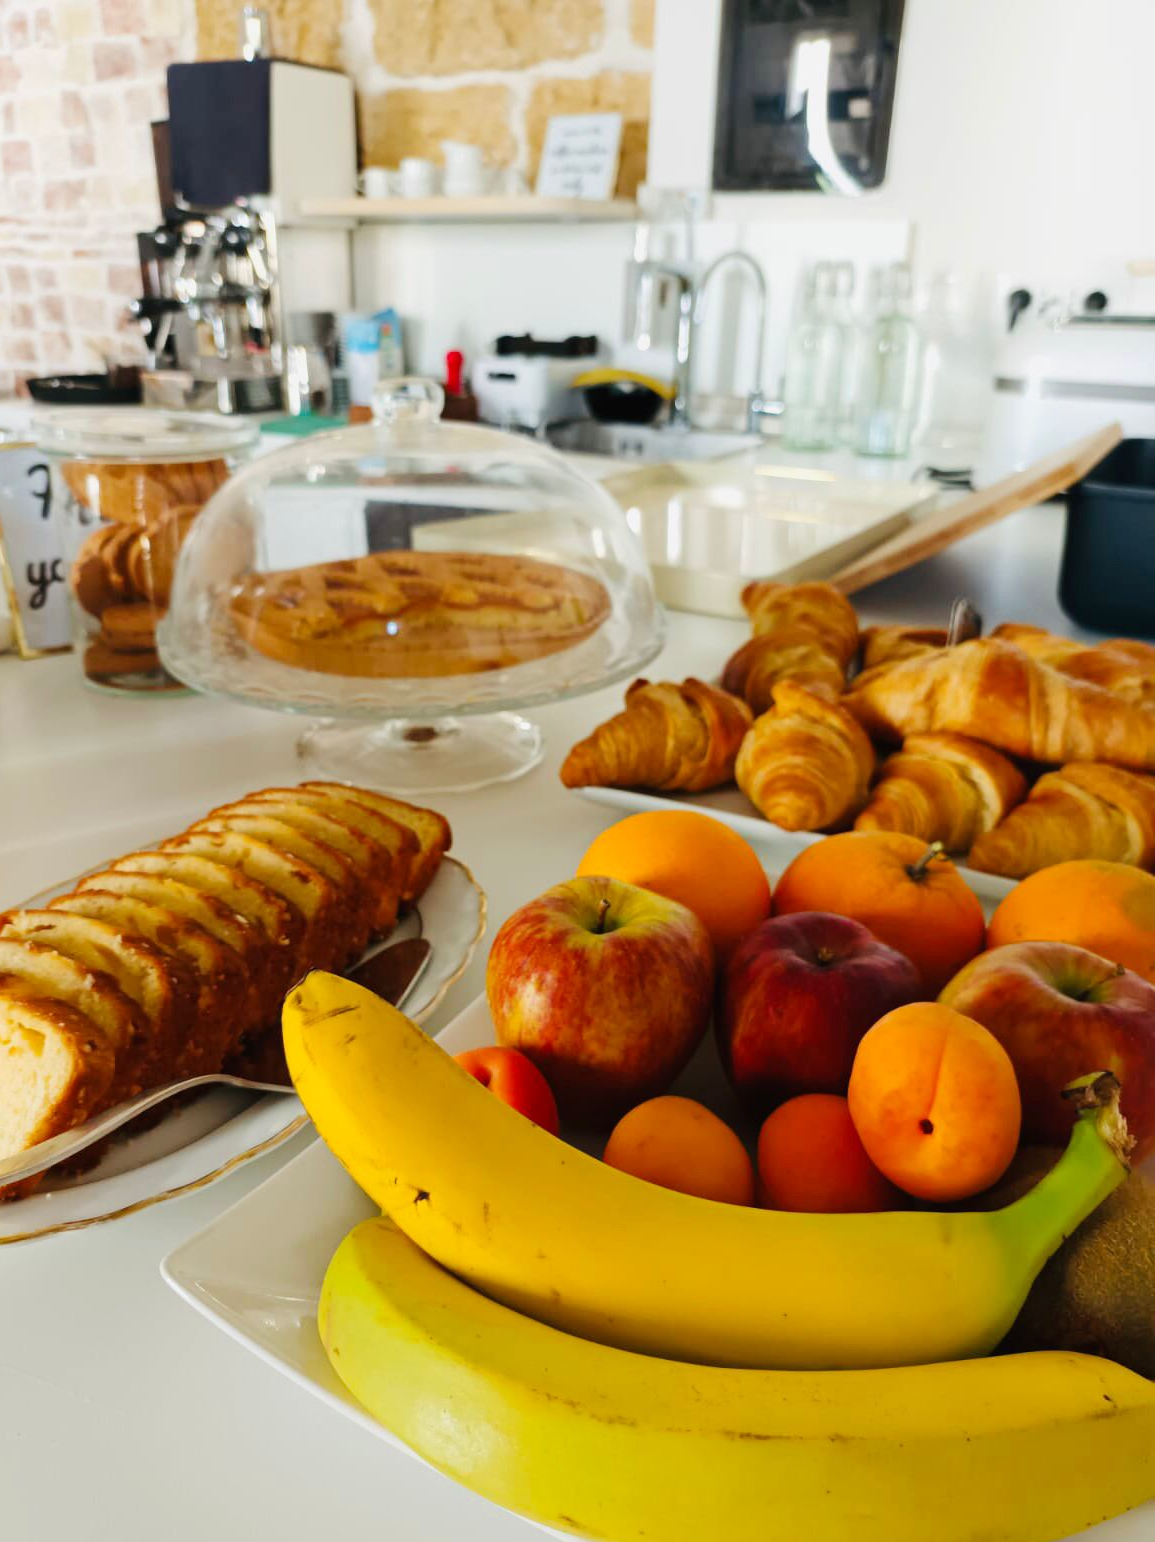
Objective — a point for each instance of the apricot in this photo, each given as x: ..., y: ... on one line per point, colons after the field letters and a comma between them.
x: 691, y: 858
x: 935, y: 1102
x: 810, y: 1157
x: 682, y: 1145
x: 904, y: 891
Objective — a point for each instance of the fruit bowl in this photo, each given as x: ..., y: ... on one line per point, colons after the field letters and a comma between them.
x: 934, y: 1439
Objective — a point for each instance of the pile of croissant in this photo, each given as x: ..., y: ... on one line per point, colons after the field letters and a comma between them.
x: 1016, y: 750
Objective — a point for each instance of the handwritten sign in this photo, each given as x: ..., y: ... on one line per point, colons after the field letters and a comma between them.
x: 31, y: 561
x: 580, y: 156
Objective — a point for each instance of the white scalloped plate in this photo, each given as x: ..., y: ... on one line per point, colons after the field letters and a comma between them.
x: 194, y: 1146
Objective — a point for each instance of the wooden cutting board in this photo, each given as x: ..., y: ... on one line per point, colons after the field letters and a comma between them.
x: 963, y: 516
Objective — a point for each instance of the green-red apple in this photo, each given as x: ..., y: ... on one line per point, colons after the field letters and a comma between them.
x: 606, y: 987
x: 1060, y: 1012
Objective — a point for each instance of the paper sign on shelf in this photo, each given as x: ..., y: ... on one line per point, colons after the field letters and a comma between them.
x: 31, y: 561
x: 580, y: 156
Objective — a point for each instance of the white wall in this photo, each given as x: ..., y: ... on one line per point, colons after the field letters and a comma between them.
x: 458, y: 286
x: 1019, y: 154
x: 1020, y: 145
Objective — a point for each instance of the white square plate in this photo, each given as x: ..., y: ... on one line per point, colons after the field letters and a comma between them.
x: 256, y: 1271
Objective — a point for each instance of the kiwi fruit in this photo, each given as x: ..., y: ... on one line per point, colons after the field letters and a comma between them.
x: 1097, y: 1294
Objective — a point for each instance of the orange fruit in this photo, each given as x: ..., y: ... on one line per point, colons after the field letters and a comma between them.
x: 691, y: 858
x: 1105, y: 907
x: 911, y: 901
x: 935, y: 1102
x: 682, y: 1145
x: 810, y: 1158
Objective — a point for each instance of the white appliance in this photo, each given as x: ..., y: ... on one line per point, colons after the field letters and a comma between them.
x: 528, y: 390
x: 1058, y: 379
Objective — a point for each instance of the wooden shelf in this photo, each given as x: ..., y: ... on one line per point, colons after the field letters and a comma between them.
x: 495, y: 208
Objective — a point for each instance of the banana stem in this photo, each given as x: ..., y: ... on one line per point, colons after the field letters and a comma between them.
x: 1093, y: 1166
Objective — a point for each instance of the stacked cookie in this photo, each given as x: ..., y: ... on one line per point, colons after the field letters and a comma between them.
x: 173, y: 962
x: 122, y: 575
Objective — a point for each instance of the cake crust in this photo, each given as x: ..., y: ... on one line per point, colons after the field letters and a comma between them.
x: 418, y: 614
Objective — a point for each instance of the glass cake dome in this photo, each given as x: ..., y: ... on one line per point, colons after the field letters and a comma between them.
x: 424, y: 577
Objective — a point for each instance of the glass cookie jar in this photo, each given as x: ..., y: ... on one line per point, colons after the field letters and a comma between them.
x: 127, y: 485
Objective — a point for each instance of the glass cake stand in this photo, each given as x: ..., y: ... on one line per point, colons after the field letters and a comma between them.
x: 416, y: 585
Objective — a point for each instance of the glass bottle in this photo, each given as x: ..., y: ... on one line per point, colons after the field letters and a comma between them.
x: 956, y: 370
x: 890, y: 368
x: 852, y: 337
x: 814, y: 359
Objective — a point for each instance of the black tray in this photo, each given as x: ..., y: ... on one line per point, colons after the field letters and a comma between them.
x: 86, y: 390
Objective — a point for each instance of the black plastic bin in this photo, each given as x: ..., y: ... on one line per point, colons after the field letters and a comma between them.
x: 1107, y: 580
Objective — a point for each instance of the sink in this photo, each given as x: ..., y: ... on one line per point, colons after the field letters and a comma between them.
x: 636, y: 441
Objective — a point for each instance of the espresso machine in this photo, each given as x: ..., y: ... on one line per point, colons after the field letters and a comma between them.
x: 249, y: 142
x: 210, y: 313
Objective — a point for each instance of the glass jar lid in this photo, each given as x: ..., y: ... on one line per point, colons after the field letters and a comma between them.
x: 410, y: 567
x: 141, y: 434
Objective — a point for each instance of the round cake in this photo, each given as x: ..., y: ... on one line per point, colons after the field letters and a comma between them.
x: 407, y: 613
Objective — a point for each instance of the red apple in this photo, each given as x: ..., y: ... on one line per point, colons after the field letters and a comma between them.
x: 798, y: 994
x: 1061, y: 1012
x: 606, y: 987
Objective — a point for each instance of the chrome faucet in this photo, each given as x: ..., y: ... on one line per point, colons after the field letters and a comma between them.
x: 756, y: 406
x: 691, y: 308
x: 644, y: 304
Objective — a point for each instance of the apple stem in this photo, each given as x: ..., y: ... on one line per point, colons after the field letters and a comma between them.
x: 919, y: 869
x: 603, y: 911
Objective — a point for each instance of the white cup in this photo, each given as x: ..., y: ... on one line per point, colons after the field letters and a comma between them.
x: 418, y: 177
x: 464, y: 169
x: 375, y: 182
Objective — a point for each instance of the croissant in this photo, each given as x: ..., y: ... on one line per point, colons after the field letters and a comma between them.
x: 1082, y: 810
x: 991, y: 690
x: 889, y: 644
x: 805, y: 764
x: 1121, y: 666
x: 943, y: 787
x: 807, y: 633
x: 673, y: 738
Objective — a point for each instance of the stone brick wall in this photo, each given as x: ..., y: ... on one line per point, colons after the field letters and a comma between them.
x: 80, y: 81
x: 488, y: 71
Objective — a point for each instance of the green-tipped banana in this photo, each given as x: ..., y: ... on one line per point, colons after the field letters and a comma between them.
x: 1018, y: 1448
x: 551, y: 1232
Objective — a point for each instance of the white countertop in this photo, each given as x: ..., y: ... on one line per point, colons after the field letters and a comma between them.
x: 124, y: 1415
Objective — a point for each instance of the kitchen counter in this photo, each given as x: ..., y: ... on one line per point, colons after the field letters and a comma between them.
x: 125, y: 1415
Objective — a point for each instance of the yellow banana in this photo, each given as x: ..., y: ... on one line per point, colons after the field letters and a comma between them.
x: 555, y: 1233
x: 1019, y: 1448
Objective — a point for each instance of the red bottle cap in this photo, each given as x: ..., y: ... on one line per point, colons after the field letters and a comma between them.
x: 454, y: 364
